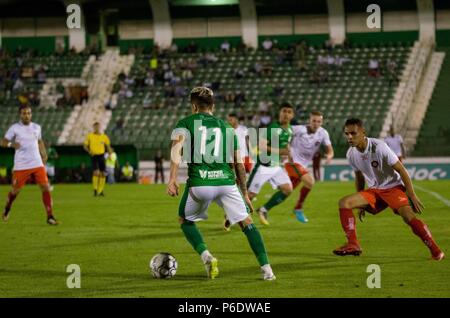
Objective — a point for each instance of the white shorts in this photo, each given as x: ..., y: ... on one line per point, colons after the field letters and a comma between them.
x: 262, y: 174
x: 50, y: 171
x: 196, y: 200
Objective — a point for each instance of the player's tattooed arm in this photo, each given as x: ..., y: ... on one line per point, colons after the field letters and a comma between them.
x: 175, y: 160
x: 416, y: 204
x: 241, y: 179
x: 43, y: 151
x: 239, y: 170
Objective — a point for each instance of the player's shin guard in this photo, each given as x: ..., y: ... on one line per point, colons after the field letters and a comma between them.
x: 303, y: 194
x: 48, y: 203
x: 421, y: 230
x: 276, y: 199
x: 348, y: 223
x: 193, y: 236
x: 95, y: 182
x: 9, y: 201
x: 256, y: 243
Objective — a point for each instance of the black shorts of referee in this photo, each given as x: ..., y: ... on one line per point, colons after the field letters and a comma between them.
x: 98, y: 163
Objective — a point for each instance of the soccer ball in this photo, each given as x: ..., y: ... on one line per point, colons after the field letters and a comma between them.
x: 163, y: 265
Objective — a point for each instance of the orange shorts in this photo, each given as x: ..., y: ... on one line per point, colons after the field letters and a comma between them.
x: 248, y: 164
x: 380, y: 199
x: 295, y: 172
x: 21, y: 177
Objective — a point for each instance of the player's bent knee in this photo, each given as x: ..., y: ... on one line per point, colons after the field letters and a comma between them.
x: 286, y: 189
x: 308, y: 181
x: 406, y: 213
x: 345, y: 203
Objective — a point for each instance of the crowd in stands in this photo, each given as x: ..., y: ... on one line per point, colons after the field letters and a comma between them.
x: 22, y: 76
x: 16, y: 75
x: 176, y: 75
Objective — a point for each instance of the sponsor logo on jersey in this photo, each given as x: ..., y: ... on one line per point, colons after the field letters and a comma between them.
x: 214, y: 174
x: 375, y: 164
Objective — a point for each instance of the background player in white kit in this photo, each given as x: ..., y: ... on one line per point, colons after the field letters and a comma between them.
x: 306, y: 142
x: 389, y: 186
x: 30, y: 156
x: 243, y: 139
x: 395, y: 142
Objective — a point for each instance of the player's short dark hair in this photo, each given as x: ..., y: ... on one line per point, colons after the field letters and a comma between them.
x: 354, y: 121
x: 26, y: 106
x: 286, y: 105
x: 96, y: 123
x: 202, y: 97
x: 316, y: 113
x: 233, y: 115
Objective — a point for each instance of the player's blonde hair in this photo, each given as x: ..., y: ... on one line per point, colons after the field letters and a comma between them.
x: 202, y: 97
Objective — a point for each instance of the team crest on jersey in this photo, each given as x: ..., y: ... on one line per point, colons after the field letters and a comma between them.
x: 375, y: 164
x: 317, y: 143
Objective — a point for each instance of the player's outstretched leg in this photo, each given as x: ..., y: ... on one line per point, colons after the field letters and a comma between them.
x: 348, y: 223
x: 48, y: 204
x: 194, y: 237
x: 12, y: 195
x: 308, y: 183
x: 421, y: 230
x: 257, y: 244
x: 277, y: 198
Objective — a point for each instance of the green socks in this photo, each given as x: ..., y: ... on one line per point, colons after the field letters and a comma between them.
x: 276, y: 199
x: 256, y: 243
x: 194, y: 236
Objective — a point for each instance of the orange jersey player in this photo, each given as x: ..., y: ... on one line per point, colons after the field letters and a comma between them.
x: 389, y: 185
x: 30, y: 156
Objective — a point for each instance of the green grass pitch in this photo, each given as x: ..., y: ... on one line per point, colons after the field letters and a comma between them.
x: 113, y: 239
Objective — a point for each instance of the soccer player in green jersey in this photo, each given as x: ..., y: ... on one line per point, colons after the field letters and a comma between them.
x: 210, y: 147
x: 275, y: 143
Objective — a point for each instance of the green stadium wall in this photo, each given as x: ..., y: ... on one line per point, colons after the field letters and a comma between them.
x: 208, y: 43
x: 125, y: 45
x: 443, y: 37
x: 44, y: 44
x: 383, y: 37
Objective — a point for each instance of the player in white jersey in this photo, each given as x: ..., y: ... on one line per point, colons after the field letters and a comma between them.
x: 243, y: 139
x: 389, y: 185
x: 30, y: 156
x: 395, y: 142
x: 306, y: 142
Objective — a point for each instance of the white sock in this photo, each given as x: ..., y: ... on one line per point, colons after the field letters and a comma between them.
x: 206, y: 256
x: 264, y: 210
x: 267, y: 269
